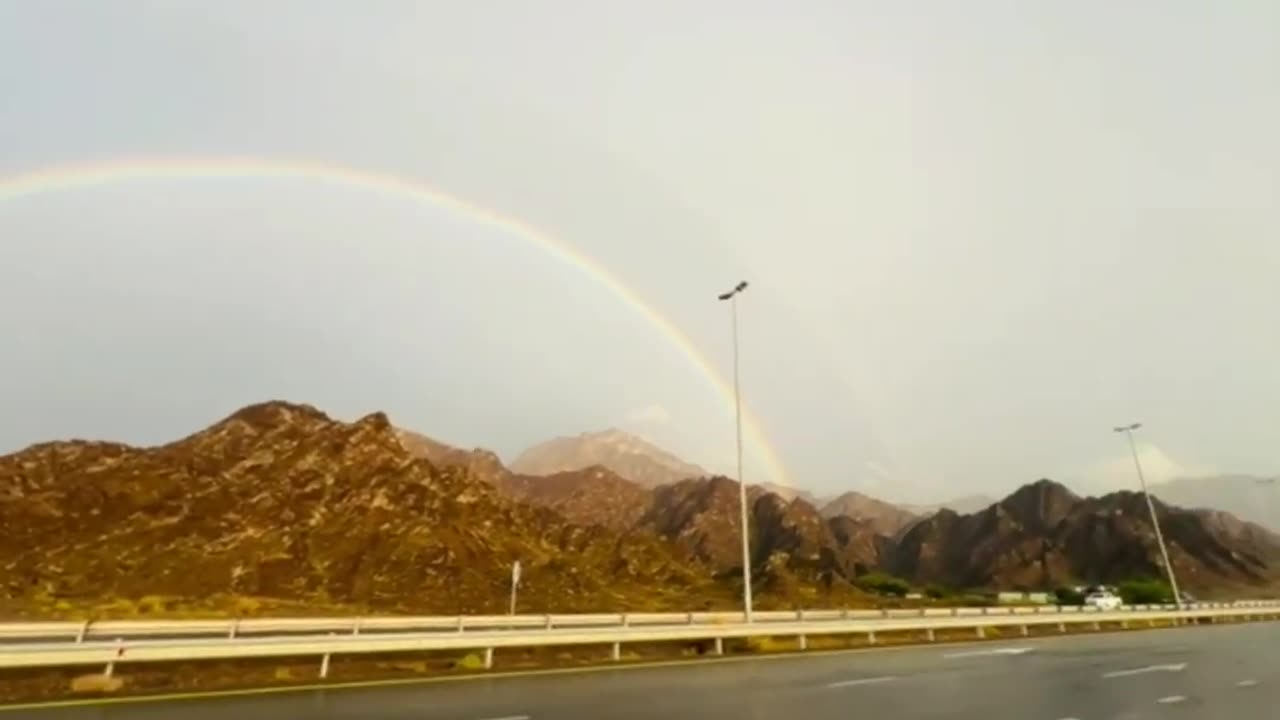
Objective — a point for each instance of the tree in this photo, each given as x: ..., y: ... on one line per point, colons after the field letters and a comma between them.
x: 884, y: 584
x: 1146, y: 591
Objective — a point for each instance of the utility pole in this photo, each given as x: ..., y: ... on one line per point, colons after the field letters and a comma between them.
x: 1151, y: 507
x: 732, y: 297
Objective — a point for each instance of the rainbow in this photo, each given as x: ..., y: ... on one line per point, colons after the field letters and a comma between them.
x: 72, y: 177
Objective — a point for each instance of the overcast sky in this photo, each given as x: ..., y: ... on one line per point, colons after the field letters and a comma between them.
x: 978, y: 234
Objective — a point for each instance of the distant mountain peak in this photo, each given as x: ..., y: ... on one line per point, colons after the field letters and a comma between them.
x: 885, y: 518
x: 626, y: 454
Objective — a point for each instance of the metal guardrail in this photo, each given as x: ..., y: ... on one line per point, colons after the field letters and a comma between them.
x: 800, y: 626
x: 234, y: 628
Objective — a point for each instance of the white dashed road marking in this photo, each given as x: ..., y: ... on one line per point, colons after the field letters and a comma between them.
x: 1149, y: 669
x: 1172, y: 699
x: 1246, y: 683
x: 862, y: 681
x: 983, y: 653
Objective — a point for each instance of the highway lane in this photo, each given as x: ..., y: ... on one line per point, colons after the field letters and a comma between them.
x: 1194, y: 673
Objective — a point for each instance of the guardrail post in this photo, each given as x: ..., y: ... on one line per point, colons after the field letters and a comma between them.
x: 460, y: 623
x: 689, y: 619
x: 626, y: 621
x: 804, y: 642
x: 871, y: 637
x: 844, y: 614
x: 547, y: 625
x: 1025, y: 630
x: 800, y: 615
x: 84, y: 630
x: 616, y: 654
x: 930, y: 635
x: 235, y: 629
x: 355, y: 627
x: 1124, y: 624
x: 955, y: 612
x: 719, y: 646
x: 986, y: 611
x: 324, y: 663
x: 111, y: 664
x: 488, y: 658
x: 1062, y: 627
x: 1097, y: 626
x: 980, y: 632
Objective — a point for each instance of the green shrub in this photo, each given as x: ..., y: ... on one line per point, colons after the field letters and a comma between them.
x: 937, y: 592
x: 1145, y: 592
x: 883, y: 584
x: 1068, y: 596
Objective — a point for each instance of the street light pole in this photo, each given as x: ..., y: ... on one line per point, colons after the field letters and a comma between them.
x: 1155, y: 523
x: 732, y: 297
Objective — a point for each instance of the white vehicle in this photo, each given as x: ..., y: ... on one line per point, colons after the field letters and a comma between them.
x: 1102, y: 601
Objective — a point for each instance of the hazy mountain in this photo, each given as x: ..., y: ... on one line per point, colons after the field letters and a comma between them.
x: 632, y: 457
x: 882, y: 517
x: 1249, y: 497
x: 1043, y: 536
x: 963, y: 505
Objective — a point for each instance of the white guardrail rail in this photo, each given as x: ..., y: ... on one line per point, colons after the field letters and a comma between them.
x: 110, y: 642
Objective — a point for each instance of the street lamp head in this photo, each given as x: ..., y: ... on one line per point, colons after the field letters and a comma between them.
x: 736, y: 289
x: 1128, y: 428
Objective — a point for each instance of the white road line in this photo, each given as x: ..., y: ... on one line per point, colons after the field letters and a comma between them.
x: 1246, y: 683
x: 1172, y: 699
x: 981, y: 653
x: 862, y: 681
x: 1149, y: 669
x: 510, y: 717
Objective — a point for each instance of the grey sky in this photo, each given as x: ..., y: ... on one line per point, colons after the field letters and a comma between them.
x: 979, y: 234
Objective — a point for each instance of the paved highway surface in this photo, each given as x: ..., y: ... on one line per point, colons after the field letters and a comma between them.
x: 1203, y: 673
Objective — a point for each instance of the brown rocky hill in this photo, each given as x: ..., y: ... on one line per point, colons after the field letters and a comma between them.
x: 631, y: 457
x: 280, y: 501
x: 591, y: 496
x: 882, y: 517
x: 1044, y: 536
x: 794, y: 550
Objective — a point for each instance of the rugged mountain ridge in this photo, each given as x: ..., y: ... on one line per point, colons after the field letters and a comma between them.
x: 1043, y: 535
x: 280, y: 501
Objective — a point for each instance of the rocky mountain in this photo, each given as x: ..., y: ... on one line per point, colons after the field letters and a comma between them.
x: 1249, y: 497
x: 280, y: 501
x: 1043, y: 536
x: 591, y: 496
x: 629, y: 456
x: 882, y: 517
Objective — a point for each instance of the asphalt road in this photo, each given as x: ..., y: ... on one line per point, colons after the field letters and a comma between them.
x: 1202, y: 673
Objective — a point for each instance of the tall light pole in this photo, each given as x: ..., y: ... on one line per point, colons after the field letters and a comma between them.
x: 1151, y: 507
x: 732, y: 297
